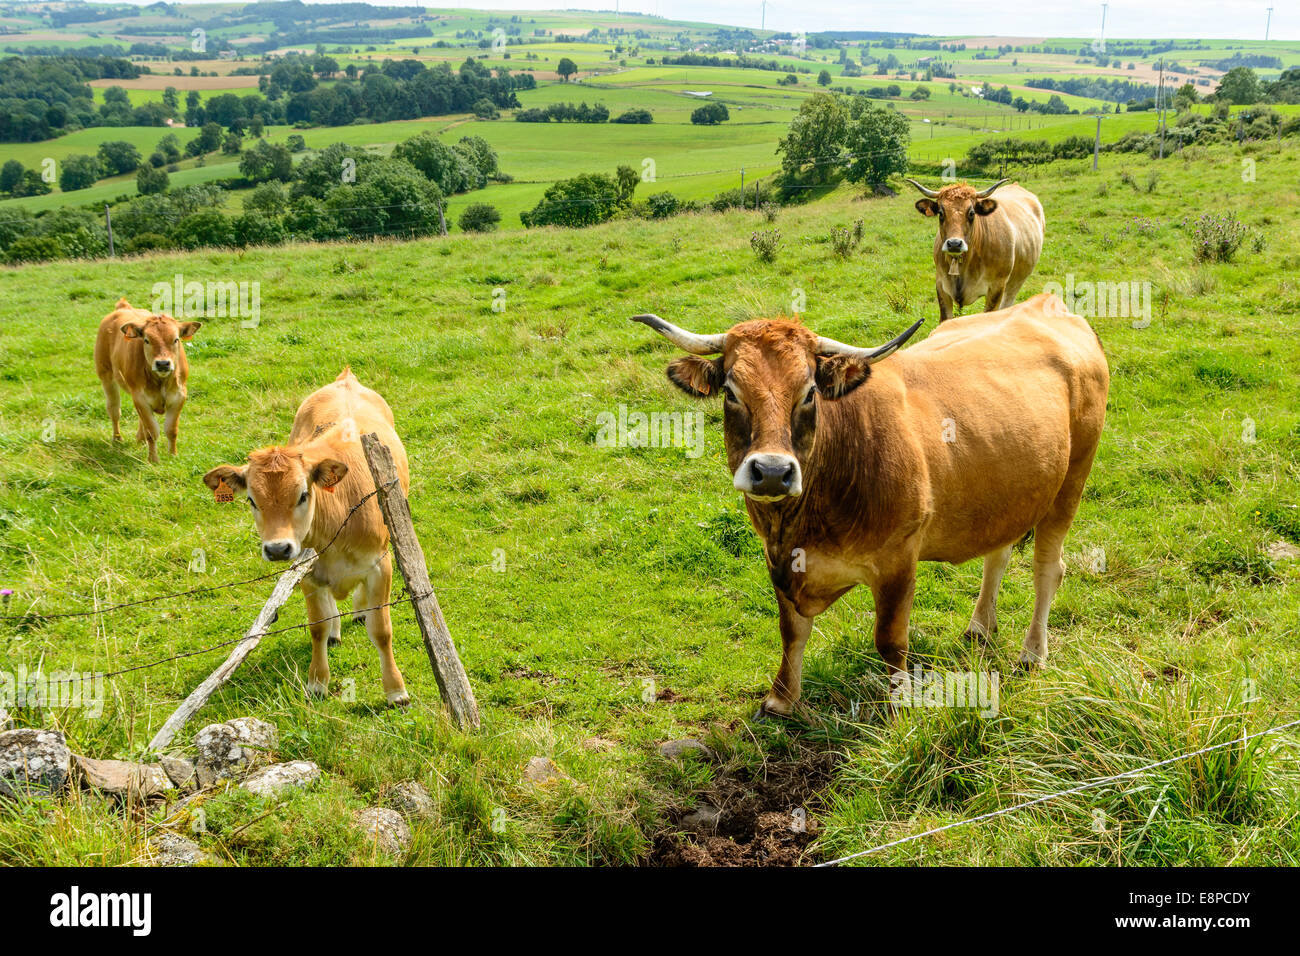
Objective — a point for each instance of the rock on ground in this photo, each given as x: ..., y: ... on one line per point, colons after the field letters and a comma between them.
x: 180, y: 771
x: 271, y: 780
x: 678, y: 748
x: 233, y: 748
x: 171, y: 849
x: 121, y: 778
x: 410, y: 799
x: 542, y: 771
x: 384, y: 828
x: 33, y: 762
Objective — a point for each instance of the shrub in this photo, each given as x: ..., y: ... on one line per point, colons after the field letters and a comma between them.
x: 35, y: 249
x: 79, y: 172
x: 1216, y: 238
x: 842, y: 242
x: 634, y: 116
x: 296, y: 143
x: 208, y: 227
x: 479, y: 217
x: 765, y: 243
x: 147, y: 241
x: 662, y: 205
x: 710, y: 114
x: 151, y: 180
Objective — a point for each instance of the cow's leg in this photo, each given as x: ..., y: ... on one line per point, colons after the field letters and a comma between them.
x: 171, y: 423
x: 893, y: 592
x: 984, y: 619
x: 148, y: 430
x: 113, y: 402
x: 788, y: 685
x: 335, y: 621
x: 993, y: 299
x: 1049, y: 569
x: 359, y: 602
x: 379, y: 625
x: 319, y: 605
x: 945, y: 303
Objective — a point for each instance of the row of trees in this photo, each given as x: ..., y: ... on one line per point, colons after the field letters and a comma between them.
x: 40, y: 97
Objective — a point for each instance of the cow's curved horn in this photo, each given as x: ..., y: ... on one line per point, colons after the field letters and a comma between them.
x: 695, y: 344
x: 989, y: 192
x: 930, y: 193
x: 827, y: 346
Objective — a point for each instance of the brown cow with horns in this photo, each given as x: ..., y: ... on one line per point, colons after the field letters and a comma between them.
x: 854, y: 471
x: 985, y: 246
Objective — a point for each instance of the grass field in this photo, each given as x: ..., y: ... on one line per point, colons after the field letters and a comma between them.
x: 617, y: 593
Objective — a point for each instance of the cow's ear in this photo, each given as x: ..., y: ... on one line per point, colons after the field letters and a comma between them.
x: 696, y: 376
x: 837, y: 375
x: 985, y: 206
x: 327, y: 473
x: 225, y: 480
x: 188, y: 329
x: 927, y: 207
x: 132, y: 330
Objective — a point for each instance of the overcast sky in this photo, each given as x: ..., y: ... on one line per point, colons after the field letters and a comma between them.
x: 1145, y: 19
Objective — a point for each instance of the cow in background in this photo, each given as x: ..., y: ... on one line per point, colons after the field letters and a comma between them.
x: 301, y: 494
x: 144, y: 353
x: 855, y: 468
x: 985, y: 246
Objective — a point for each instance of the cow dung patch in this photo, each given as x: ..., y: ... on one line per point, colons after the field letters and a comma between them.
x: 752, y: 816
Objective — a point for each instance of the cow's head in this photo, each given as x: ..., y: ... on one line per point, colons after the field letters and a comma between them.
x: 773, y: 375
x: 280, y: 485
x: 956, y: 205
x: 160, y: 336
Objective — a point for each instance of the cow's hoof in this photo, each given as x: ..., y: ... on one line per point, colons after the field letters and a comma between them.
x: 771, y: 709
x: 316, y: 689
x: 980, y: 635
x: 333, y: 641
x: 358, y: 619
x: 399, y: 698
x: 1030, y: 662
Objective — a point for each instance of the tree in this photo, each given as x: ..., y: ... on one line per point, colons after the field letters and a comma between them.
x: 877, y: 140
x: 581, y: 201
x: 11, y: 174
x: 207, y: 227
x: 824, y: 78
x: 296, y: 143
x: 813, y: 143
x: 479, y: 217
x: 79, y: 172
x: 118, y: 157
x: 634, y: 116
x: 1239, y: 86
x: 566, y: 68
x: 710, y: 114
x: 391, y: 197
x: 267, y: 161
x: 208, y: 140
x: 151, y: 180
x: 921, y: 93
x: 627, y: 179
x: 170, y: 147
x: 439, y: 163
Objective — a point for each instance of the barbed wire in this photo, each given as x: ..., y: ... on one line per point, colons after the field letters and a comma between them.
x: 34, y: 616
x: 1058, y: 794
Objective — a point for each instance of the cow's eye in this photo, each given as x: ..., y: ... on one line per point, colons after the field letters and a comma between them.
x: 970, y: 214
x: 728, y: 394
x: 810, y: 397
x: 941, y: 215
x: 302, y: 499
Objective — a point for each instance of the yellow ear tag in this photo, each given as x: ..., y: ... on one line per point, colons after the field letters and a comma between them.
x: 223, y: 492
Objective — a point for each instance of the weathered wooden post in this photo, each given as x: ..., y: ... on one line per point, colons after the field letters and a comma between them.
x: 270, y: 610
x: 453, y: 682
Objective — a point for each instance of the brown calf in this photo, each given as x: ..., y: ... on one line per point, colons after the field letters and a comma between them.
x: 300, y: 495
x: 985, y: 246
x: 953, y: 449
x: 144, y: 353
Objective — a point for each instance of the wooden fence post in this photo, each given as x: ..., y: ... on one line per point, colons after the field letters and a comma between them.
x: 270, y: 610
x: 453, y: 682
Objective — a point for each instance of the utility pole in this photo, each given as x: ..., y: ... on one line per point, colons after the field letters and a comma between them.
x: 108, y: 224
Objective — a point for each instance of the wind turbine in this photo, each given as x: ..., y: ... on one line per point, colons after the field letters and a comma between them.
x: 1268, y: 23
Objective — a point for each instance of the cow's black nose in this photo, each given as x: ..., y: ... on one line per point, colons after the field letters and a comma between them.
x: 771, y: 478
x: 163, y: 365
x: 953, y: 245
x: 277, y: 550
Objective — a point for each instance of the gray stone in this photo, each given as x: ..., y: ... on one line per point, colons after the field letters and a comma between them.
x: 705, y: 816
x: 171, y: 849
x: 1282, y: 551
x: 233, y: 748
x: 180, y: 772
x: 384, y: 828
x: 542, y: 772
x: 269, y: 781
x: 33, y: 762
x: 6, y: 722
x: 673, y: 749
x: 121, y: 778
x: 410, y: 799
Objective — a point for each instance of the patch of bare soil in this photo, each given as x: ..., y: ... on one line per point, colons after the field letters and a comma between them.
x: 753, y: 816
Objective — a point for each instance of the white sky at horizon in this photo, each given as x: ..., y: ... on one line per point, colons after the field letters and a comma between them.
x: 1129, y: 19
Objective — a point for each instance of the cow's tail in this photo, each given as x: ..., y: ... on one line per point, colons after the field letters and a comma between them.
x: 1024, y: 541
